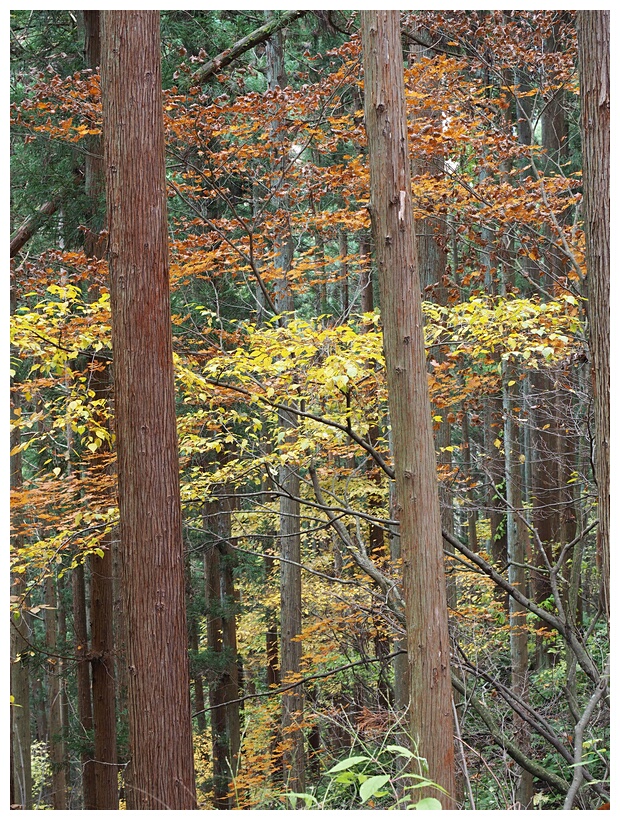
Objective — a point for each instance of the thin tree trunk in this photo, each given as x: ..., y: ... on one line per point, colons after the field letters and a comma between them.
x: 21, y: 771
x: 160, y: 726
x: 54, y: 699
x: 290, y: 542
x: 472, y: 539
x: 103, y: 678
x: 216, y: 696
x: 222, y: 641
x: 414, y: 455
x: 62, y: 677
x: 343, y: 251
x: 199, y: 694
x: 367, y: 297
x: 516, y: 538
x: 102, y: 650
x: 84, y: 703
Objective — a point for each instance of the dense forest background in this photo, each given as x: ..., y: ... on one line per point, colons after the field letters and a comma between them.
x: 295, y: 611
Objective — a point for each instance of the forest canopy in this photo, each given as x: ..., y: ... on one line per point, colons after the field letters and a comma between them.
x: 303, y: 589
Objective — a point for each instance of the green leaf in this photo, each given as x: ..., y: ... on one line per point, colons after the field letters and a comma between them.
x: 428, y: 803
x: 372, y: 786
x: 400, y: 750
x: 308, y: 799
x: 346, y: 764
x: 346, y: 777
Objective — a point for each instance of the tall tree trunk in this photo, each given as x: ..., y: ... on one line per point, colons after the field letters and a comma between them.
x: 472, y: 515
x: 101, y: 567
x: 222, y: 642
x: 343, y: 251
x: 54, y: 699
x: 63, y: 680
x: 21, y: 771
x: 516, y: 540
x: 160, y: 726
x: 414, y: 454
x: 199, y: 694
x: 593, y: 37
x: 20, y: 738
x: 103, y: 679
x: 290, y: 542
x: 102, y: 649
x: 84, y: 703
x: 221, y: 772
x: 367, y: 296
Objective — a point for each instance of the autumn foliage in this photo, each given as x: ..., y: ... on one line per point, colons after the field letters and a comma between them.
x: 244, y: 166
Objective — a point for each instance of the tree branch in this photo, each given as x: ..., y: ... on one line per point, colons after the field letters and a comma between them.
x: 508, y: 745
x: 317, y: 676
x: 257, y: 37
x: 31, y: 224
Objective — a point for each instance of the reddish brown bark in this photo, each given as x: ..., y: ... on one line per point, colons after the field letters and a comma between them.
x: 593, y: 34
x: 148, y: 473
x: 414, y: 454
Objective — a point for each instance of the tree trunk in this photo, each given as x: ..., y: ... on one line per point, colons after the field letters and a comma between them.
x: 414, y: 454
x: 199, y: 694
x: 63, y: 682
x: 343, y: 251
x: 516, y: 539
x: 290, y: 617
x: 593, y: 37
x: 102, y: 655
x: 160, y: 726
x: 290, y: 543
x: 21, y: 772
x: 102, y: 650
x: 84, y: 703
x: 54, y: 699
x: 222, y: 643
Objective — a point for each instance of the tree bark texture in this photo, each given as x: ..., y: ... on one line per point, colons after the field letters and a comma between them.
x: 82, y: 673
x: 288, y: 479
x: 21, y: 772
x: 148, y: 473
x: 593, y: 38
x: 414, y: 454
x: 103, y: 650
x: 103, y: 679
x: 54, y: 699
x: 517, y: 537
x: 222, y: 643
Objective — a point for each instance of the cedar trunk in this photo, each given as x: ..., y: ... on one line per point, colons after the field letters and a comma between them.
x: 148, y: 473
x: 414, y: 454
x: 593, y: 35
